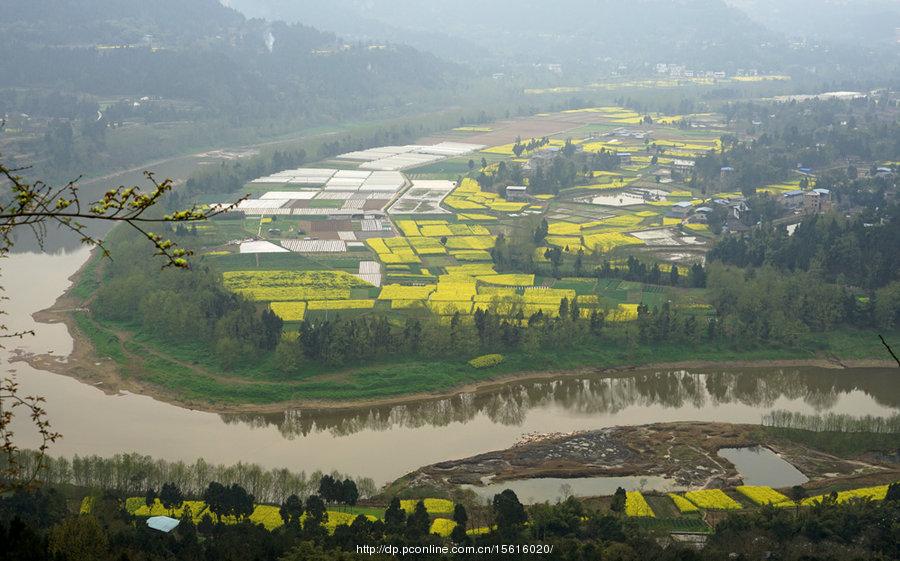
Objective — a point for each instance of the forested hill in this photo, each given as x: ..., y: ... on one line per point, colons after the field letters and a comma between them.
x: 206, y: 53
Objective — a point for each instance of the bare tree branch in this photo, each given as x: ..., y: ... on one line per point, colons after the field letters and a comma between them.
x: 34, y: 206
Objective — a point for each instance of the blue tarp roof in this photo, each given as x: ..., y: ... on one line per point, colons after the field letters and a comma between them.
x: 162, y: 523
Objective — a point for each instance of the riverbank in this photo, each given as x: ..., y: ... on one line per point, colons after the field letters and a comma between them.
x: 115, y: 360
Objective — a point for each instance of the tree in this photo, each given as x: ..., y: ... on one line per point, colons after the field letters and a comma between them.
x: 540, y: 233
x: 170, y: 496
x: 216, y: 499
x: 79, y: 538
x: 186, y: 527
x: 316, y: 515
x: 893, y: 492
x: 329, y: 489
x: 349, y: 492
x: 240, y: 502
x: 797, y: 494
x: 394, y: 517
x: 618, y: 501
x: 291, y: 511
x: 461, y: 517
x: 206, y: 525
x: 150, y: 498
x: 509, y: 514
x: 564, y: 308
x: 418, y: 524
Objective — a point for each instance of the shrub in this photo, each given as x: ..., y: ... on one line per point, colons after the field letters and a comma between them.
x: 486, y: 361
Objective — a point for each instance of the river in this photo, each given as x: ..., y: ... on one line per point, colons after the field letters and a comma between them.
x: 387, y: 442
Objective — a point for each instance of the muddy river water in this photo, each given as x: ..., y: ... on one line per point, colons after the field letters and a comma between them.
x: 385, y: 442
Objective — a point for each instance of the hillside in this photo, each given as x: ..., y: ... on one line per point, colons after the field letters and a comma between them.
x: 867, y: 22
x: 203, y: 52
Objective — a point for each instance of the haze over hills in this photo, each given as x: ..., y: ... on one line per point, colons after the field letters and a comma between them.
x: 571, y: 30
x: 592, y: 39
x: 870, y: 22
x: 206, y: 53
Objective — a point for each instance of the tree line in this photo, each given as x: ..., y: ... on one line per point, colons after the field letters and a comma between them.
x: 503, y: 327
x: 832, y: 422
x: 846, y: 251
x: 132, y: 474
x: 36, y: 525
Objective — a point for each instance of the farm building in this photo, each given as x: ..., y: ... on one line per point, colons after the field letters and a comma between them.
x: 624, y: 158
x: 701, y: 214
x: 792, y: 199
x: 680, y: 210
x: 516, y: 192
x: 260, y: 246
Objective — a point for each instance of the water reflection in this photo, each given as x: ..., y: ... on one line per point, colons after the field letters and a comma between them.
x: 387, y: 442
x: 758, y: 465
x: 600, y: 395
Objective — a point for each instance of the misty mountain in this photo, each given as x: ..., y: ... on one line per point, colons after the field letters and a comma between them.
x: 591, y: 32
x: 870, y: 22
x: 208, y: 54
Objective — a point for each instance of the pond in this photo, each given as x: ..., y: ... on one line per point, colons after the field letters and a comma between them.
x: 551, y: 489
x: 385, y: 442
x: 759, y: 465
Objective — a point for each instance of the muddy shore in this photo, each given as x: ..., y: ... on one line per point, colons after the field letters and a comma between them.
x: 686, y: 452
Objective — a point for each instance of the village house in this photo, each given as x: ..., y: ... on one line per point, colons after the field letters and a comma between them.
x: 817, y: 201
x: 684, y: 167
x: 739, y: 209
x: 543, y: 156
